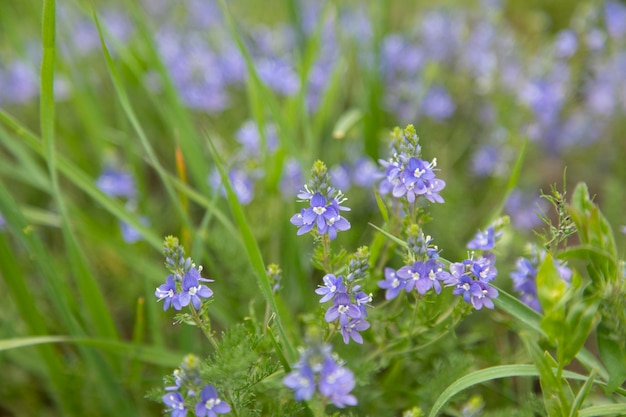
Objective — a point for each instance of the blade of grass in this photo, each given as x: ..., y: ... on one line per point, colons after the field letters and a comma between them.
x: 144, y: 353
x: 496, y: 372
x: 132, y: 118
x: 254, y: 254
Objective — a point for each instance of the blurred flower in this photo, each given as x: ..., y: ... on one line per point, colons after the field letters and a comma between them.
x: 318, y: 369
x: 176, y: 404
x: 566, y: 43
x: 523, y: 208
x: 248, y: 136
x: 117, y: 183
x: 129, y: 233
x: 438, y: 104
x: 484, y: 240
x: 19, y: 82
x: 210, y: 405
x: 615, y: 17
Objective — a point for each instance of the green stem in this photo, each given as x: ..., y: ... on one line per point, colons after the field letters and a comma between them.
x: 205, y: 326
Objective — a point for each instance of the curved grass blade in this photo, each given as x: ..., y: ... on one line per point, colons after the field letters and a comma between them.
x: 603, y: 410
x: 496, y: 372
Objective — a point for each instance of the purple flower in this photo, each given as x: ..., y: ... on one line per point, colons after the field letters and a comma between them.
x: 336, y: 382
x: 484, y: 298
x: 210, y: 405
x: 484, y: 269
x: 566, y: 43
x: 352, y: 329
x: 342, y: 309
x: 392, y: 283
x: 129, y: 233
x: 435, y: 273
x: 332, y: 285
x: 468, y: 288
x: 340, y: 177
x: 484, y: 240
x: 291, y: 178
x: 193, y: 290
x: 302, y: 381
x: 168, y: 292
x: 362, y: 300
x: 175, y: 403
x: 365, y: 172
x: 117, y: 183
x: 325, y: 217
x: 415, y: 277
x: 615, y: 16
x: 438, y: 104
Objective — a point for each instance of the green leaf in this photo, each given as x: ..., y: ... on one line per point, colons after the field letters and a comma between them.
x: 603, y: 410
x: 582, y: 394
x: 550, y: 288
x: 390, y: 236
x: 613, y: 356
x: 484, y: 375
x: 346, y: 122
x: 582, y: 317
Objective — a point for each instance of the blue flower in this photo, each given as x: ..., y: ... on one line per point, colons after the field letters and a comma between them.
x: 336, y: 382
x: 483, y: 240
x: 415, y: 277
x: 168, y: 292
x: 210, y: 405
x: 318, y: 369
x: 332, y: 285
x: 352, y: 329
x: 176, y: 404
x: 324, y: 216
x: 117, y: 183
x: 468, y: 288
x: 484, y: 298
x: 302, y: 381
x: 342, y: 309
x: 193, y: 290
x: 392, y: 283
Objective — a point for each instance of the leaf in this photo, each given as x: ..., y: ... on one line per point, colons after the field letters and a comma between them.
x: 582, y: 317
x: 613, y: 356
x: 346, y: 122
x: 603, y: 410
x: 390, y: 236
x: 484, y: 375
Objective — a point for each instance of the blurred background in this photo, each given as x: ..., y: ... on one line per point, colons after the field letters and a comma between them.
x: 275, y: 85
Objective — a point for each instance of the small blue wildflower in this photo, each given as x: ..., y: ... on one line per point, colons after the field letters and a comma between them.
x: 340, y: 177
x: 325, y: 217
x: 352, y: 329
x: 117, y: 183
x: 210, y: 405
x: 415, y: 277
x: 342, y: 309
x: 484, y: 240
x: 615, y: 17
x: 467, y: 287
x: 169, y: 293
x: 129, y: 233
x: 484, y: 298
x: 392, y: 283
x: 192, y: 289
x: 365, y: 172
x: 525, y: 277
x: 471, y: 280
x: 302, y: 381
x: 332, y: 285
x: 336, y: 382
x: 362, y: 300
x: 317, y: 368
x: 176, y: 404
x: 438, y: 104
x: 435, y: 273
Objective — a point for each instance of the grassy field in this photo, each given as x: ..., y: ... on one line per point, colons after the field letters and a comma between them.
x: 241, y: 130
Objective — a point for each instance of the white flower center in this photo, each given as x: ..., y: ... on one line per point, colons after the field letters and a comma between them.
x: 395, y: 283
x: 415, y: 275
x: 319, y: 210
x: 342, y: 309
x: 466, y: 286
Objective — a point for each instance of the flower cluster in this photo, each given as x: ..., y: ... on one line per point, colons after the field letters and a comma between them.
x: 525, y: 276
x: 421, y: 275
x: 187, y: 379
x: 323, y: 214
x: 406, y: 174
x: 471, y: 277
x: 116, y: 182
x: 349, y: 301
x: 183, y: 286
x: 319, y: 369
